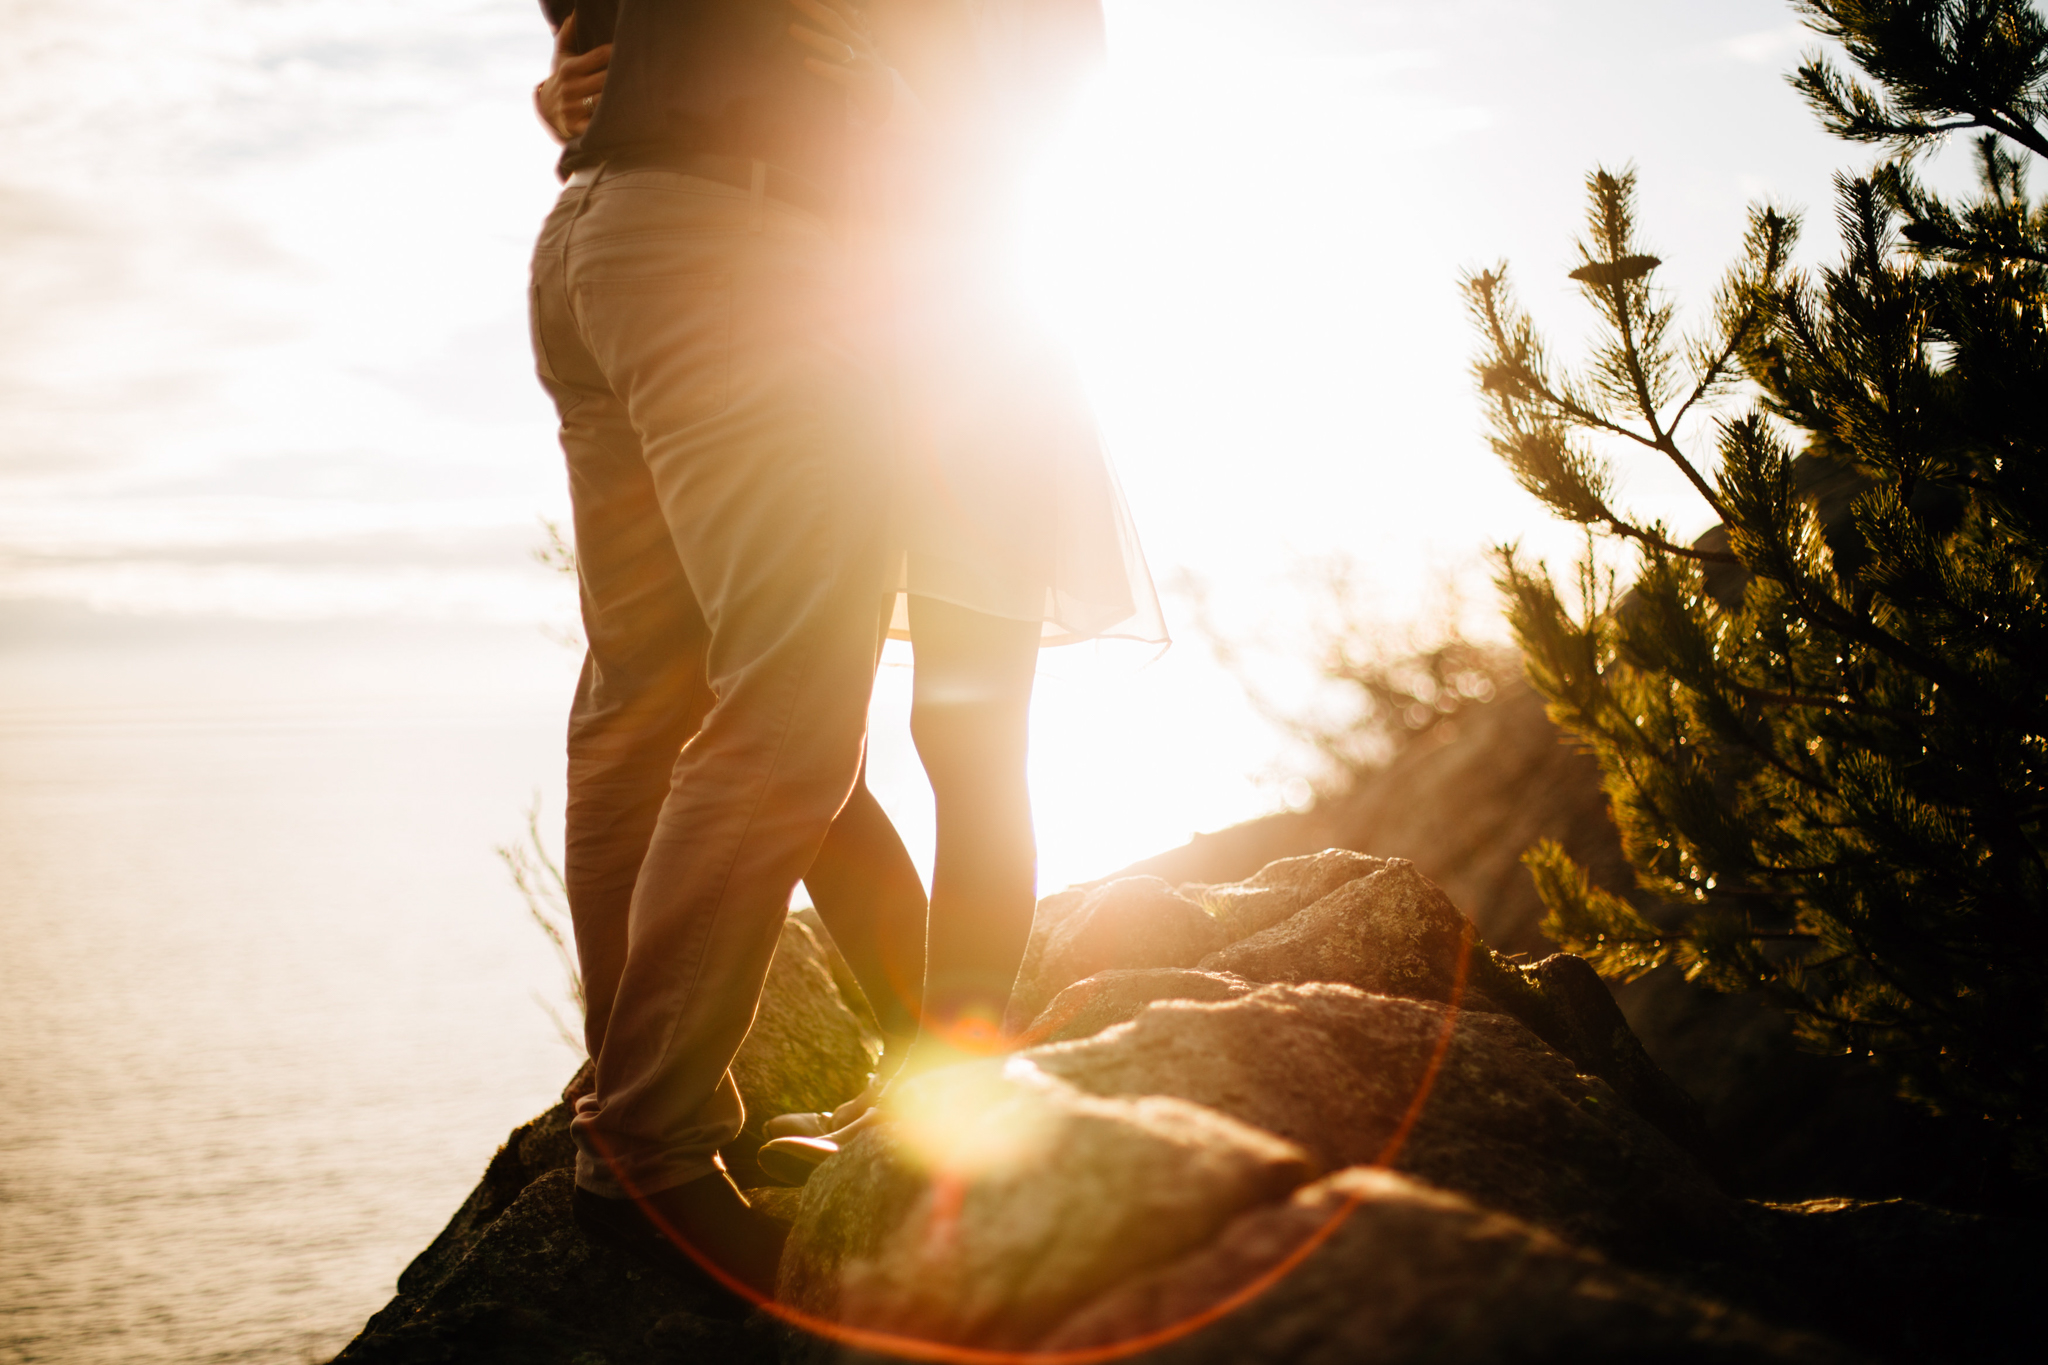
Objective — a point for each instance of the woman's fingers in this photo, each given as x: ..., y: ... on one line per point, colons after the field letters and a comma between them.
x: 575, y: 92
x: 567, y: 97
x: 597, y: 59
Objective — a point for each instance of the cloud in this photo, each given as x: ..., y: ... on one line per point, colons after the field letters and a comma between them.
x: 263, y: 281
x: 272, y: 592
x: 1767, y: 46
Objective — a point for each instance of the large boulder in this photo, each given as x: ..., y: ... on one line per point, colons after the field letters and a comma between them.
x: 1370, y: 1138
x: 1135, y: 922
x: 1392, y: 931
x: 1086, y: 1008
x: 1278, y: 890
x: 1530, y: 1183
x: 1367, y: 1265
x: 1472, y: 1103
x: 1000, y: 1200
x: 1373, y: 923
x: 1463, y: 804
x: 1387, y: 929
x: 533, y: 1150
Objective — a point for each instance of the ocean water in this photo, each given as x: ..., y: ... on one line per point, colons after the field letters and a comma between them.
x: 267, y: 1002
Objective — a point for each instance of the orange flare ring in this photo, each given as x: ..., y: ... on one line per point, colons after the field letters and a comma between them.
x: 919, y: 1348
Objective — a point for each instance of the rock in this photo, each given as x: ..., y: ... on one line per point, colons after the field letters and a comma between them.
x: 1900, y: 1279
x: 531, y: 1288
x: 842, y: 976
x: 1310, y: 878
x: 1354, y: 1079
x: 1571, y: 1009
x: 534, y: 1149
x: 1241, y: 911
x: 1135, y: 922
x: 807, y: 1049
x: 1393, y: 1271
x: 777, y: 1201
x: 1087, y: 1007
x: 1464, y: 804
x: 1143, y: 1168
x: 1002, y: 1200
x: 1051, y: 912
x: 1788, y: 1124
x: 1280, y: 889
x: 1391, y: 931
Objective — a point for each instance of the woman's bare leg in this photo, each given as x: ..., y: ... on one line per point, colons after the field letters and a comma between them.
x: 867, y: 891
x: 970, y: 719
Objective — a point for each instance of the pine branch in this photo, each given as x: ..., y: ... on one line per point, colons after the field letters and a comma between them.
x: 1841, y: 782
x: 1777, y: 763
x: 1651, y: 540
x: 1841, y: 704
x: 1949, y: 65
x: 1716, y: 368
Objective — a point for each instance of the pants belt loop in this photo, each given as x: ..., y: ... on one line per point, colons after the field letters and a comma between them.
x: 758, y: 218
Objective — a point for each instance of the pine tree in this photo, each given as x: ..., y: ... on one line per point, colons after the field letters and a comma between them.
x: 1821, y: 726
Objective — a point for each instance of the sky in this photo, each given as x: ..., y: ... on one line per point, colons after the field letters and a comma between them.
x: 265, y: 361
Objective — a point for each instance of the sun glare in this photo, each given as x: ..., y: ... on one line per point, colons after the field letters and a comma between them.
x: 968, y: 1120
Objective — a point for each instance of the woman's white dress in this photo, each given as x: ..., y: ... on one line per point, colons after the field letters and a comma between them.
x: 1008, y: 505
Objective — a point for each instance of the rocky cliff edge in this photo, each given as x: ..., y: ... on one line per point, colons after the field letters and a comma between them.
x: 1308, y: 1116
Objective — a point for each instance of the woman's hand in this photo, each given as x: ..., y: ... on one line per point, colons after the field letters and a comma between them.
x: 568, y: 97
x: 847, y: 57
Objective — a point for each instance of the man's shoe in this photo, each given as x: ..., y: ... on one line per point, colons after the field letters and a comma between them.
x: 702, y: 1232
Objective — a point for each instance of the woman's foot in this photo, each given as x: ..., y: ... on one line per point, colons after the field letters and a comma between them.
x: 792, y: 1160
x: 813, y: 1124
x: 820, y: 1123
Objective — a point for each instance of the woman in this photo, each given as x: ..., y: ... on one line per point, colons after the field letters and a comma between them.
x: 1013, y: 533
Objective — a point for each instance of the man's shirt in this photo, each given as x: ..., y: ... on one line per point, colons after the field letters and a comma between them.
x: 720, y: 76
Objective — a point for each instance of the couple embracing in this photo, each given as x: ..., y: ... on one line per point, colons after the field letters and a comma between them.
x: 799, y: 417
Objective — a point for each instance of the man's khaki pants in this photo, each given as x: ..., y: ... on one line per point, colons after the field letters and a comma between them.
x: 729, y: 482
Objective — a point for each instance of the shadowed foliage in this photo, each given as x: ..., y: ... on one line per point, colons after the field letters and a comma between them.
x: 1821, y: 725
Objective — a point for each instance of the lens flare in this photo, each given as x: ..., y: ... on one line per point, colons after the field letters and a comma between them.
x: 967, y: 1120
x: 977, y: 1033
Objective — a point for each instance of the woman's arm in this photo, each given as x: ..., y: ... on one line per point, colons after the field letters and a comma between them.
x: 568, y: 97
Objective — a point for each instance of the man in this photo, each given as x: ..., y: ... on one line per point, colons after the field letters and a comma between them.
x: 729, y: 479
